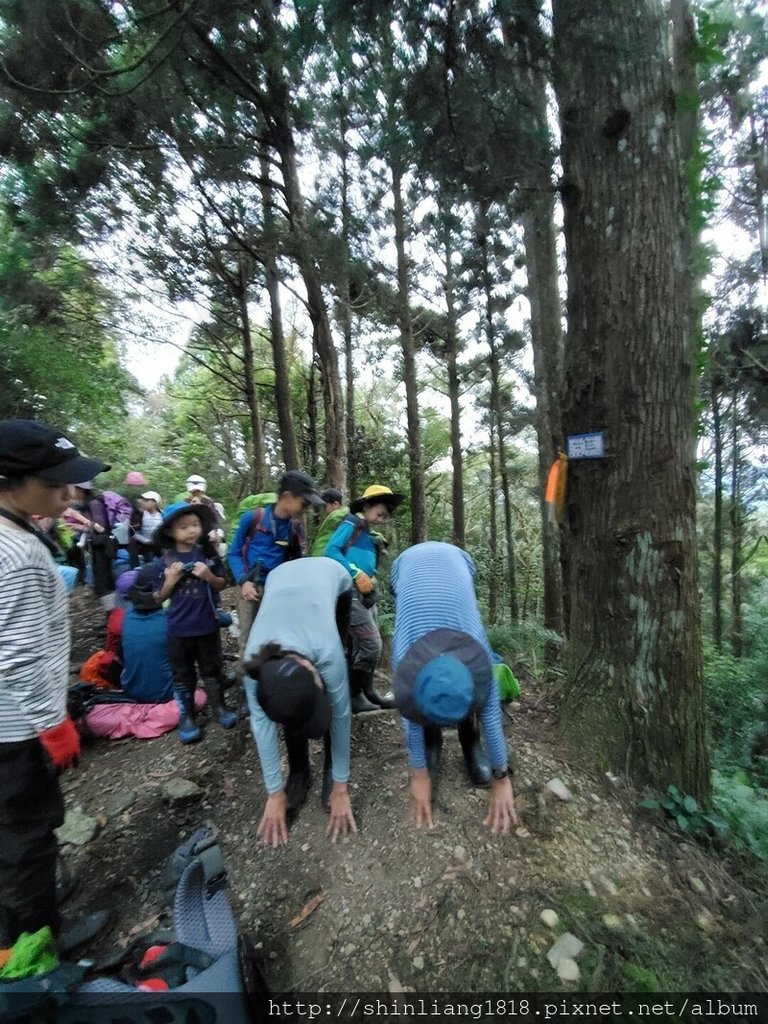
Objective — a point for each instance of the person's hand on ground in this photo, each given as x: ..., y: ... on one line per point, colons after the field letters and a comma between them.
x: 501, y: 807
x: 273, y: 827
x: 421, y: 799
x: 342, y: 821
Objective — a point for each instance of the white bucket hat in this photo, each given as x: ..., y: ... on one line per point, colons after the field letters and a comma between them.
x: 195, y: 483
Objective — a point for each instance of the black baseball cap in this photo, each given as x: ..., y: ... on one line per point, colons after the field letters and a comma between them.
x: 288, y: 694
x: 302, y: 485
x: 32, y: 448
x: 332, y: 495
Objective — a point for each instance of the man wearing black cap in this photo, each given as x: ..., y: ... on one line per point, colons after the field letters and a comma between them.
x: 38, y: 466
x: 297, y: 678
x: 267, y: 536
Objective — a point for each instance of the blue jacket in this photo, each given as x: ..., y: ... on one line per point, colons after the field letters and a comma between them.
x: 273, y: 541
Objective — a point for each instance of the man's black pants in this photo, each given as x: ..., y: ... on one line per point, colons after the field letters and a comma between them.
x: 31, y: 807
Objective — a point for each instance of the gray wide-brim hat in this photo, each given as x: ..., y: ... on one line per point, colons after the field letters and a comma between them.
x: 444, y: 677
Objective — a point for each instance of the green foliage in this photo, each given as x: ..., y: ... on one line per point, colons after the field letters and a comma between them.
x: 745, y: 809
x: 736, y: 691
x: 527, y: 644
x: 686, y: 813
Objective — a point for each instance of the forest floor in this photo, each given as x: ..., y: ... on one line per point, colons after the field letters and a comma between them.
x: 393, y: 909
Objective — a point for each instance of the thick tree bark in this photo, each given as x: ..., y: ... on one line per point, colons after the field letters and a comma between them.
x: 408, y: 348
x: 283, y: 401
x: 633, y: 695
x: 717, y: 526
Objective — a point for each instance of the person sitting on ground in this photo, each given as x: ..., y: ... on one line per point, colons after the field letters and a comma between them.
x: 356, y: 546
x: 38, y: 740
x: 335, y: 512
x: 442, y: 665
x: 267, y: 536
x: 191, y: 574
x: 297, y: 677
x: 147, y: 676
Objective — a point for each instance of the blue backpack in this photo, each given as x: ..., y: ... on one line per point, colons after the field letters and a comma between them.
x: 214, y: 974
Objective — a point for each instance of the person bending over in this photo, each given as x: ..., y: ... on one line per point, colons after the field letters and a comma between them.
x: 296, y: 676
x: 441, y: 660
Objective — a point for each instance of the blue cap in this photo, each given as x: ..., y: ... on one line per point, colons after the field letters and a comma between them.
x: 444, y: 690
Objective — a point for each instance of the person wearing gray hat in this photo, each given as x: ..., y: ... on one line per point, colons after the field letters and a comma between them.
x: 442, y: 665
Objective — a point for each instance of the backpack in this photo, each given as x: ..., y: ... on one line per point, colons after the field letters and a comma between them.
x: 256, y: 503
x: 379, y: 543
x: 214, y: 974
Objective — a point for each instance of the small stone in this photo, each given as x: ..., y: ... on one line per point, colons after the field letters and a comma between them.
x: 559, y: 789
x: 549, y: 918
x: 418, y: 963
x: 78, y: 828
x: 461, y: 913
x: 697, y: 885
x: 305, y: 848
x: 609, y: 886
x: 179, y: 792
x: 417, y: 883
x: 366, y: 920
x: 594, y: 798
x: 522, y: 833
x: 567, y: 947
x: 612, y: 921
x: 459, y: 854
x: 568, y: 970
x: 118, y: 803
x: 705, y: 921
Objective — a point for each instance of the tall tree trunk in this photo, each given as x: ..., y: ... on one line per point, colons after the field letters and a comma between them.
x: 415, y: 455
x: 521, y: 27
x: 312, y: 413
x: 283, y: 401
x: 258, y: 457
x: 717, y: 528
x: 454, y: 388
x: 634, y: 694
x: 496, y: 415
x: 737, y: 531
x: 346, y: 312
x: 493, y: 530
x: 276, y: 109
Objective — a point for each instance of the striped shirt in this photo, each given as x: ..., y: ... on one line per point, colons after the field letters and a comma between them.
x: 34, y: 638
x: 434, y: 588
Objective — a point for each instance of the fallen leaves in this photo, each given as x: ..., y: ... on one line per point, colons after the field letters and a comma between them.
x: 309, y: 908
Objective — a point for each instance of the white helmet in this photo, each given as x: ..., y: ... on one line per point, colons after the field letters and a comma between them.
x: 195, y: 483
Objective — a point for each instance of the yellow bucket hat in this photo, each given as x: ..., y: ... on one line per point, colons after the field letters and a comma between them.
x: 374, y: 495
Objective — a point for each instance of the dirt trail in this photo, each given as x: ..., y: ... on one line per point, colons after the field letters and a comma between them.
x: 454, y: 909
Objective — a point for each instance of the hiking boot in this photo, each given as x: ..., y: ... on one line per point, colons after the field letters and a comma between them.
x: 360, y: 703
x: 188, y: 728
x: 325, y: 792
x: 296, y: 789
x: 433, y: 744
x: 384, y: 702
x: 227, y: 719
x: 82, y: 930
x: 478, y: 766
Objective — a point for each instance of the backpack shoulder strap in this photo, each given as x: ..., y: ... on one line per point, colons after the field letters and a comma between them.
x: 257, y: 518
x: 356, y: 533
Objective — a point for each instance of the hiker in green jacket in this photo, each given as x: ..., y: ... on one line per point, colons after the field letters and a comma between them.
x: 334, y: 513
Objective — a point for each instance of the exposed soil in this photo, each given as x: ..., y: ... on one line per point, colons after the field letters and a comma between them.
x: 454, y: 909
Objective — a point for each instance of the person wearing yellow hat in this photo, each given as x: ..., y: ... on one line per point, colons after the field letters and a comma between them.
x: 357, y: 546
